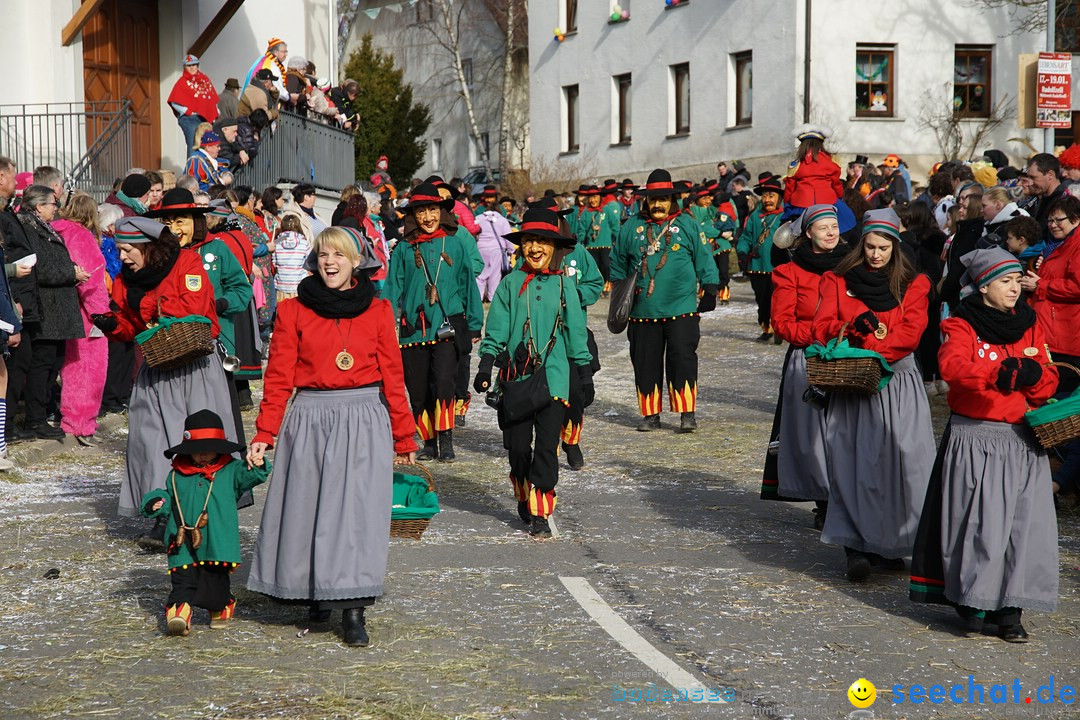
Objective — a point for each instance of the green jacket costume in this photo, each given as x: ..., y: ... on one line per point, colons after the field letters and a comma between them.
x: 476, y: 261
x: 221, y: 536
x: 229, y: 281
x: 592, y: 229
x: 450, y: 266
x: 580, y: 268
x: 726, y: 225
x: 541, y: 302
x: 613, y: 213
x: 756, y: 240
x: 686, y: 254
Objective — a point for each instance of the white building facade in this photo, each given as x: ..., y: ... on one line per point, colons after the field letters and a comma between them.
x: 684, y: 86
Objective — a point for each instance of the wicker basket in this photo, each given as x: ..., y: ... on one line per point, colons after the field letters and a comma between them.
x: 1059, y: 432
x: 177, y: 345
x: 414, y: 528
x: 847, y: 375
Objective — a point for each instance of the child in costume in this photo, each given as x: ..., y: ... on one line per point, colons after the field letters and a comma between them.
x: 202, y: 527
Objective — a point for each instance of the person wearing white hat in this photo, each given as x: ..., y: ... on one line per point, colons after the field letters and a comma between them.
x: 193, y: 100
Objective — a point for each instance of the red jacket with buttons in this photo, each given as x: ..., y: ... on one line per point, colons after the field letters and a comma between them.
x: 1056, y: 299
x: 813, y: 182
x: 186, y: 290
x: 970, y: 366
x: 905, y: 322
x: 794, y: 303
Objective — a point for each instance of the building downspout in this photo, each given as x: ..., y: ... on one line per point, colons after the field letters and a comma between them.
x: 1051, y: 44
x: 806, y: 62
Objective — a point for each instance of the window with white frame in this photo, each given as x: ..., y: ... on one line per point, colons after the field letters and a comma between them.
x: 571, y: 119
x: 679, y: 95
x: 621, y: 92
x: 436, y: 154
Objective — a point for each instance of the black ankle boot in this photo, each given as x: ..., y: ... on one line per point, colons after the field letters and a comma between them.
x: 446, y: 446
x: 574, y: 458
x: 317, y: 616
x: 352, y: 627
x: 430, y: 451
x: 523, y: 512
x: 687, y: 423
x: 649, y: 423
x: 820, y: 512
x: 858, y: 565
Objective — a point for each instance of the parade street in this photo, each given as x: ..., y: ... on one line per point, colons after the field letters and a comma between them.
x: 661, y: 539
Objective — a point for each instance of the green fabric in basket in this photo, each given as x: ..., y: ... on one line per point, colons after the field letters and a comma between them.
x: 412, y: 499
x: 840, y: 349
x: 166, y: 322
x: 1054, y: 410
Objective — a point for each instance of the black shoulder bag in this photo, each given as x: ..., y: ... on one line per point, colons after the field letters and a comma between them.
x: 524, y: 398
x: 622, y: 296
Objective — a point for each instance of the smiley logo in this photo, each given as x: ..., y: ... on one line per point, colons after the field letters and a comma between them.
x: 862, y: 693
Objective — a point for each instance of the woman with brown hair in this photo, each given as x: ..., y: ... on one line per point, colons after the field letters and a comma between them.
x: 86, y: 359
x: 881, y: 446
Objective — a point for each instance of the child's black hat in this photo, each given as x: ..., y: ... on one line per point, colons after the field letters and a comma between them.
x: 204, y: 432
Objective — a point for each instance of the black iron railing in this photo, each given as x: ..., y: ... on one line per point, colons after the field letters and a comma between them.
x: 89, y: 141
x: 302, y: 150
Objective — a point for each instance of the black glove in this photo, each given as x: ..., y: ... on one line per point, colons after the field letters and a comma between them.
x: 588, y: 390
x: 865, y: 324
x: 474, y: 334
x: 1006, y: 379
x: 221, y: 305
x: 483, y: 374
x: 744, y: 261
x: 106, y: 322
x: 708, y: 299
x: 1030, y: 372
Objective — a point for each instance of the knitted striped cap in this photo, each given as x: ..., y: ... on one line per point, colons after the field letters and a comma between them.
x: 810, y: 216
x: 135, y: 230
x: 220, y: 208
x: 985, y: 265
x: 883, y: 222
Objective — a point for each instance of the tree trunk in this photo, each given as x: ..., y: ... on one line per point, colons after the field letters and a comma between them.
x: 507, y: 83
x: 452, y: 34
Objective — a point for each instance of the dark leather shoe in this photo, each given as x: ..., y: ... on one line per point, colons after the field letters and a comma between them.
x: 858, y: 566
x: 446, y: 446
x: 317, y: 616
x: 649, y: 423
x: 45, y: 431
x: 523, y: 512
x: 352, y: 627
x: 540, y: 528
x: 764, y: 337
x: 574, y: 459
x: 1013, y: 633
x: 16, y: 435
x: 687, y: 423
x: 430, y: 451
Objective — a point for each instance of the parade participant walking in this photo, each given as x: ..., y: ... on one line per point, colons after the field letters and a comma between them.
x: 493, y: 246
x: 987, y: 542
x: 198, y: 504
x: 193, y: 100
x: 158, y: 280
x: 664, y: 330
x: 754, y: 249
x: 879, y: 446
x: 536, y: 336
x: 325, y: 530
x: 594, y: 231
x: 795, y: 466
x: 430, y: 281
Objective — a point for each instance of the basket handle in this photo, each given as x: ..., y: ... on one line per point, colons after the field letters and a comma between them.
x: 843, y: 329
x: 1057, y: 363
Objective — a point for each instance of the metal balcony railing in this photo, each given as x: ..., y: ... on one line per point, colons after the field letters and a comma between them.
x: 302, y: 150
x: 89, y: 141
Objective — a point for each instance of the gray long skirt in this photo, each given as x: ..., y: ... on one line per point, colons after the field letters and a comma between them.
x: 160, y: 402
x: 325, y: 530
x: 880, y: 451
x: 802, y: 470
x: 999, y: 542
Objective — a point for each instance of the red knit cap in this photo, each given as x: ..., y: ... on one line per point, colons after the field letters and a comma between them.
x: 1070, y: 157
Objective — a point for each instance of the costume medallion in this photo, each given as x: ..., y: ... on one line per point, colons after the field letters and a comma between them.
x: 344, y: 360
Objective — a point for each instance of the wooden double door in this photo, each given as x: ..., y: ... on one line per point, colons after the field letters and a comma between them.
x: 120, y: 60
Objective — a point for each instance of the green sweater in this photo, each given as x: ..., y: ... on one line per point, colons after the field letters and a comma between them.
x: 542, y: 302
x: 229, y: 282
x: 688, y: 262
x: 592, y: 229
x: 406, y: 287
x: 756, y: 240
x: 613, y: 212
x: 221, y: 536
x: 580, y: 268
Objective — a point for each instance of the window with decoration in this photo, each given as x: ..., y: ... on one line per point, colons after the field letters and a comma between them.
x: 875, y: 87
x: 971, y: 81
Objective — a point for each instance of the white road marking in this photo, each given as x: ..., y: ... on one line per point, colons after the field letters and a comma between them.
x: 629, y: 638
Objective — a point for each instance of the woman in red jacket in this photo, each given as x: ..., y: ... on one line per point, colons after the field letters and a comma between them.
x: 159, y: 280
x: 812, y: 178
x: 1055, y: 290
x: 987, y: 541
x: 880, y: 447
x: 795, y: 465
x: 325, y: 531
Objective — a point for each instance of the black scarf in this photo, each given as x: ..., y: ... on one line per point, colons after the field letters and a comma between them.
x: 336, y: 304
x: 871, y: 287
x: 997, y: 327
x: 140, y: 282
x: 805, y: 257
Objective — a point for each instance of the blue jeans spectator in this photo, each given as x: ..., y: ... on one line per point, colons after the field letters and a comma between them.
x: 188, y: 125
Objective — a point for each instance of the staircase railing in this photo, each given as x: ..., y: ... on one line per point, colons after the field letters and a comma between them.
x: 302, y: 150
x: 107, y: 158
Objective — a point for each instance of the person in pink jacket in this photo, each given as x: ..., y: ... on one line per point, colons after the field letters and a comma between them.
x: 86, y: 360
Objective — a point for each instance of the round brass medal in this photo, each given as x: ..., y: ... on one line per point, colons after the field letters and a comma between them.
x: 344, y: 360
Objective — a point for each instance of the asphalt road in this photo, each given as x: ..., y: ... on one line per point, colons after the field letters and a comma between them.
x: 718, y: 589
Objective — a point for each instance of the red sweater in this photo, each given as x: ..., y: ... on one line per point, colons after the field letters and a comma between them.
x: 1056, y: 299
x: 186, y: 290
x: 302, y: 355
x: 905, y: 322
x: 794, y: 303
x: 813, y: 182
x: 970, y: 367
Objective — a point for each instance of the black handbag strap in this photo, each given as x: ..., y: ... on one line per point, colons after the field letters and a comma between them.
x: 554, y: 330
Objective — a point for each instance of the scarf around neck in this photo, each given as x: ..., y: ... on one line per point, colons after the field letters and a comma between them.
x: 871, y: 287
x: 998, y: 327
x: 132, y: 203
x: 30, y: 217
x: 140, y: 282
x: 184, y: 465
x: 804, y: 256
x: 335, y: 304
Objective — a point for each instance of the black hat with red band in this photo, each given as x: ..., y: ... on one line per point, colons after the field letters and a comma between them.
x: 658, y: 185
x: 548, y: 203
x: 542, y: 223
x: 426, y: 194
x: 204, y: 432
x: 178, y: 201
